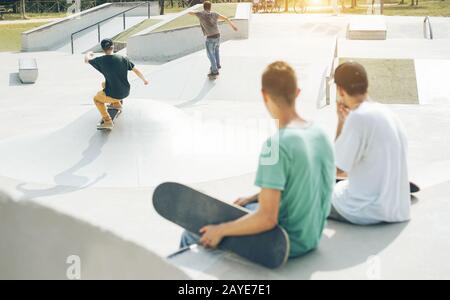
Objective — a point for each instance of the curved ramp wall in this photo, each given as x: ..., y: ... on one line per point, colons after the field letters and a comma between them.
x: 40, y: 243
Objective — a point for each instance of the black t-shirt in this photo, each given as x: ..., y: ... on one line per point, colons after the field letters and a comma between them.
x: 115, y: 69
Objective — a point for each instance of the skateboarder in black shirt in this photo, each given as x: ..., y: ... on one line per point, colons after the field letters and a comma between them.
x: 116, y: 86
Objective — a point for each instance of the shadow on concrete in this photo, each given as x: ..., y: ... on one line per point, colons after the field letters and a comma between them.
x: 14, y: 79
x: 347, y: 246
x: 208, y: 85
x: 67, y: 181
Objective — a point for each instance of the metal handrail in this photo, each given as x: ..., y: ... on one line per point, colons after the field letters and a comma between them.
x: 426, y: 22
x: 123, y: 13
x: 330, y: 75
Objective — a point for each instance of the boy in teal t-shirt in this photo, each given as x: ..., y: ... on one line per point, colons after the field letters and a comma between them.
x: 296, y: 174
x: 305, y: 175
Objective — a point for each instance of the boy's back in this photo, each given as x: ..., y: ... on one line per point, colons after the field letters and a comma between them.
x: 208, y: 22
x: 373, y: 148
x: 305, y: 173
x: 115, y: 69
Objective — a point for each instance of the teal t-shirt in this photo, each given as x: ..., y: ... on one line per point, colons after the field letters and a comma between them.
x: 299, y: 162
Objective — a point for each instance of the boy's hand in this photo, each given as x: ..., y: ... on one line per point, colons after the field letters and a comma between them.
x: 146, y: 82
x: 211, y: 236
x: 341, y: 175
x: 234, y: 27
x: 242, y: 201
x: 89, y: 55
x: 342, y: 112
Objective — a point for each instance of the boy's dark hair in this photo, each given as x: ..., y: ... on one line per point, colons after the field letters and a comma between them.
x: 106, y: 44
x: 352, y: 77
x: 280, y: 82
x: 207, y: 5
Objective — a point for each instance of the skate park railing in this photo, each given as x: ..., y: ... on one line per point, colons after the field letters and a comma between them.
x: 428, y: 29
x: 330, y: 73
x: 98, y: 24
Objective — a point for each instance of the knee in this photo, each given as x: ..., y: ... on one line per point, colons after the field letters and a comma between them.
x: 98, y: 98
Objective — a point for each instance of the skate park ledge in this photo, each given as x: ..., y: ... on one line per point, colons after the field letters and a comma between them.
x: 178, y: 42
x: 65, y: 243
x: 55, y: 34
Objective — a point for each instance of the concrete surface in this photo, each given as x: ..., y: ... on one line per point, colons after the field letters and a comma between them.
x: 102, y: 252
x: 52, y: 155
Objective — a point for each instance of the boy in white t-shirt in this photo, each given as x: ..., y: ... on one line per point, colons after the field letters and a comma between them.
x: 371, y: 153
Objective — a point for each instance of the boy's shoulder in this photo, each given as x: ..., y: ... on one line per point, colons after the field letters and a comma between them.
x: 300, y: 138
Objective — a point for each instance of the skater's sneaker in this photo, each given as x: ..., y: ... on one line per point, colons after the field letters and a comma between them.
x: 118, y: 107
x: 106, y: 125
x: 213, y: 75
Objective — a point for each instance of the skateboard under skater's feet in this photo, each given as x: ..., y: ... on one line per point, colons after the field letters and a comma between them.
x: 114, y: 113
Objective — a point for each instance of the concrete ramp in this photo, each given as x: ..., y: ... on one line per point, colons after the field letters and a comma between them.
x: 152, y: 142
x: 243, y: 63
x: 40, y: 243
x: 57, y: 35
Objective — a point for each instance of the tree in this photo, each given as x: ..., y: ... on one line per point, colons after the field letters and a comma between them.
x: 23, y: 9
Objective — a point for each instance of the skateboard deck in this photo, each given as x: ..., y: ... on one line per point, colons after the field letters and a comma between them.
x: 192, y: 210
x: 114, y: 114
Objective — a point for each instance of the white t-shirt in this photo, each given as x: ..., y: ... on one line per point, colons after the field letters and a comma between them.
x: 372, y: 150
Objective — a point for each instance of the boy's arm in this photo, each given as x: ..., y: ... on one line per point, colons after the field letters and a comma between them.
x: 264, y: 219
x: 226, y: 19
x: 140, y: 75
x: 192, y: 13
x: 88, y: 57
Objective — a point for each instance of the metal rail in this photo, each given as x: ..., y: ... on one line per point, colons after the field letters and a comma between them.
x: 428, y: 34
x: 330, y: 74
x: 98, y: 24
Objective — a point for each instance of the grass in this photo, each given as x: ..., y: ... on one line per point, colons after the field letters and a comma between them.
x: 434, y: 8
x: 10, y: 35
x: 225, y: 9
x: 13, y: 17
x: 429, y: 8
x: 384, y: 78
x: 124, y: 36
